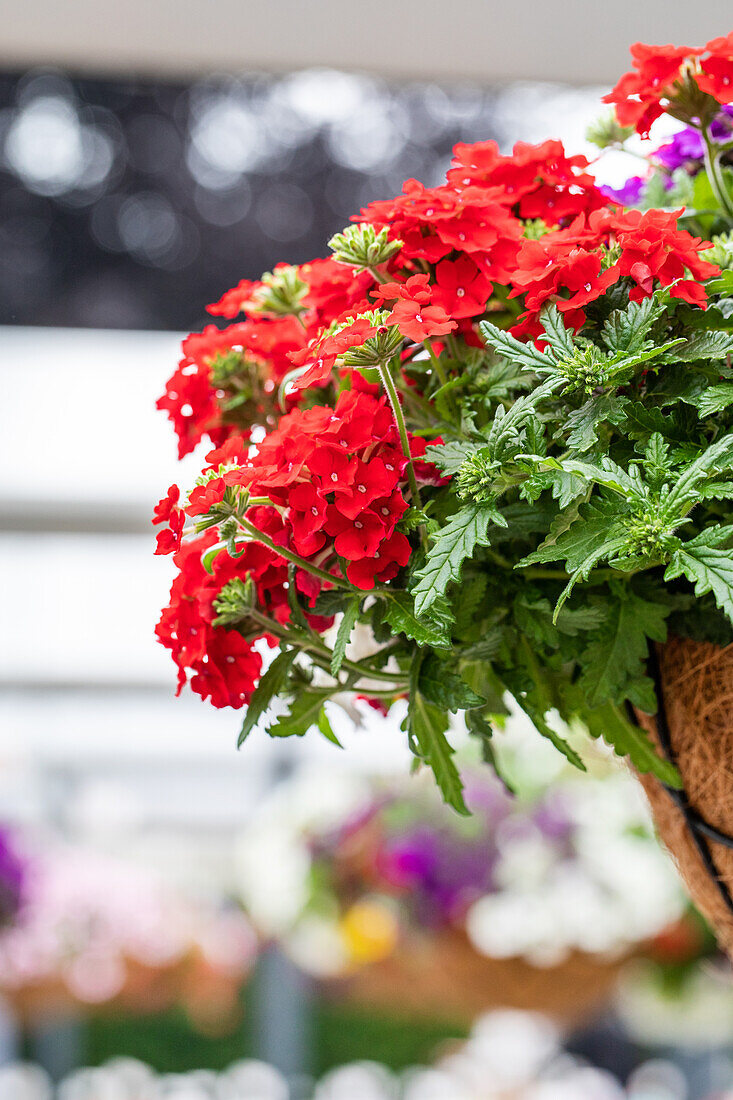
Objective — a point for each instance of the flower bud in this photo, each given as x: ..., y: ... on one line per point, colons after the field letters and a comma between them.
x: 235, y: 602
x: 606, y: 131
x: 282, y: 292
x: 476, y: 478
x: 362, y: 247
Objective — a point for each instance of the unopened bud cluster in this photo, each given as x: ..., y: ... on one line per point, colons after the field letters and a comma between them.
x: 283, y: 292
x: 476, y: 478
x: 362, y: 247
x: 586, y: 370
x: 606, y: 132
x: 650, y: 533
x: 377, y: 349
x: 237, y: 599
x: 722, y: 251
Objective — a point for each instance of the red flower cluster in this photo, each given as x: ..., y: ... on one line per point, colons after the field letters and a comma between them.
x: 717, y: 69
x: 338, y: 472
x: 536, y: 181
x: 470, y: 228
x: 167, y: 511
x: 575, y: 266
x: 335, y: 480
x: 224, y: 665
x: 641, y: 96
x: 433, y: 222
x: 413, y: 313
x: 191, y: 399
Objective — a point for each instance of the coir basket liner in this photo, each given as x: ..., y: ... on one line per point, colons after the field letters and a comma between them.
x: 694, y: 728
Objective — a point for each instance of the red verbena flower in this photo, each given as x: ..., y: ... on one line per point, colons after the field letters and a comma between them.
x: 716, y: 77
x: 640, y: 97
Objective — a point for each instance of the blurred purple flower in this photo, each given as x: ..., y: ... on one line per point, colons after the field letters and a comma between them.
x: 12, y: 878
x: 685, y: 147
x: 436, y: 863
x: 629, y: 194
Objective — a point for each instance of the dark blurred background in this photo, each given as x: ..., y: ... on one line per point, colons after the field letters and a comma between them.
x: 131, y: 204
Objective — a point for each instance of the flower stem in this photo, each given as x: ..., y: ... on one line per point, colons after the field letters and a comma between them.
x: 715, y: 174
x: 321, y: 654
x: 289, y: 555
x: 435, y: 360
x: 388, y: 382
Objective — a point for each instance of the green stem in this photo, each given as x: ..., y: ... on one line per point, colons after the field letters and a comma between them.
x: 377, y: 275
x: 442, y: 376
x: 289, y: 555
x: 388, y: 382
x: 321, y: 654
x: 715, y: 174
x: 435, y: 360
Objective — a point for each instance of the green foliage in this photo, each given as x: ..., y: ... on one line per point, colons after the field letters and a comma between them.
x: 270, y: 687
x: 432, y: 629
x: 305, y: 711
x: 442, y: 686
x: 426, y: 729
x: 348, y: 620
x: 630, y: 740
x: 455, y: 542
x: 617, y: 652
x: 708, y: 567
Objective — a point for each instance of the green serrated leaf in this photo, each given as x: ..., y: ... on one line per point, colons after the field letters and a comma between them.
x: 626, y: 330
x: 715, y: 399
x: 632, y: 741
x: 348, y: 620
x: 440, y: 685
x: 449, y: 457
x: 593, y: 527
x: 326, y: 729
x: 558, y: 336
x: 597, y: 535
x: 431, y: 629
x: 452, y: 545
x: 615, y: 655
x: 704, y: 345
x: 304, y: 713
x: 708, y: 567
x: 515, y: 351
x: 270, y: 686
x: 585, y: 422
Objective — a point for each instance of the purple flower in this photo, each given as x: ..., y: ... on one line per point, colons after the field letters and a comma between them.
x: 12, y: 878
x: 685, y: 146
x: 436, y: 863
x: 721, y: 127
x: 629, y: 194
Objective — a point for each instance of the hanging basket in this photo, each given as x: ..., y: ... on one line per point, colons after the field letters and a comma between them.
x: 441, y: 975
x: 693, y: 728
